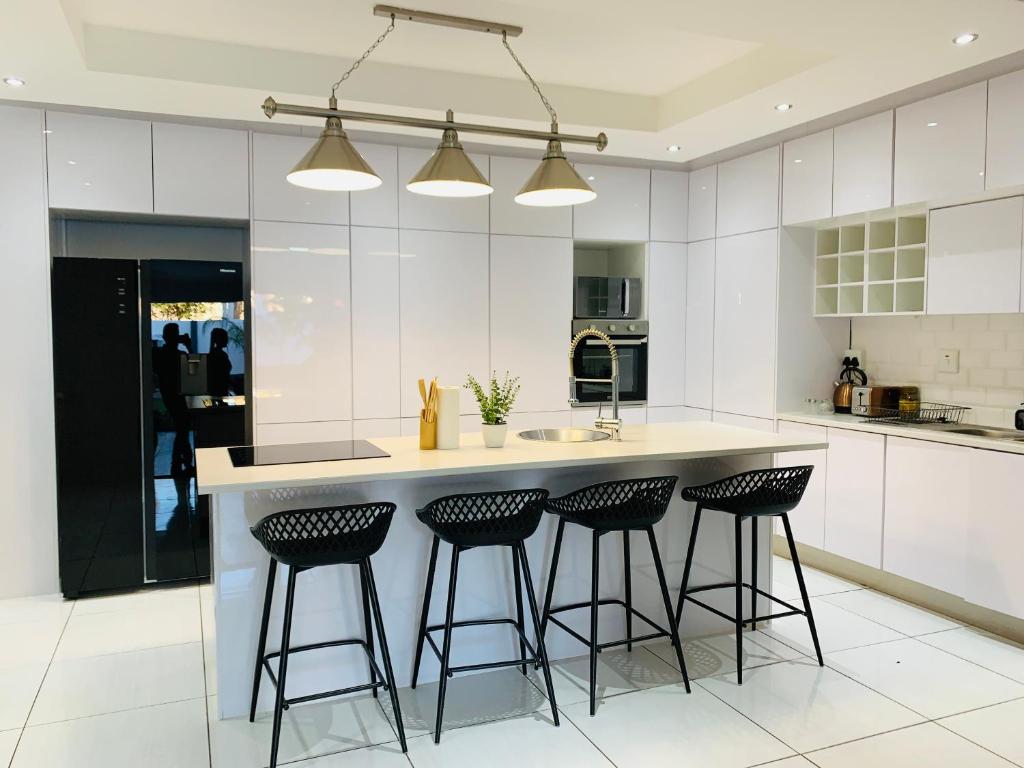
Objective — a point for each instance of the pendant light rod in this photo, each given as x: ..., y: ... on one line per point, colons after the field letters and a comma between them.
x: 272, y: 107
x: 444, y: 20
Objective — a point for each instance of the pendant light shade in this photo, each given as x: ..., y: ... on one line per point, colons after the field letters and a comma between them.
x: 555, y: 182
x: 449, y: 172
x: 333, y: 164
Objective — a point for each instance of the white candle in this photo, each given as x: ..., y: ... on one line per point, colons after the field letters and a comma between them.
x: 447, y: 417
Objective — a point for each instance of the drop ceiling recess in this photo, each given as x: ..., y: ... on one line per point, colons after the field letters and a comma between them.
x: 333, y: 164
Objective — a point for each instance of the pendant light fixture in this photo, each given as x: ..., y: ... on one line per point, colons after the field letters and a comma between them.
x: 334, y: 164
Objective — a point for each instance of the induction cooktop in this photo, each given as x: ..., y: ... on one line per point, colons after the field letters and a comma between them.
x: 303, y: 453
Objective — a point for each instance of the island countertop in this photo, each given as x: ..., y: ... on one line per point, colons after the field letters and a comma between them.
x: 671, y: 441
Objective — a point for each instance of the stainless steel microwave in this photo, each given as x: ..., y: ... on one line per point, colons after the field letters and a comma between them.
x: 607, y: 297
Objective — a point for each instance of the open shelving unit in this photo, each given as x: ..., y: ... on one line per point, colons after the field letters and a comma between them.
x: 871, y: 268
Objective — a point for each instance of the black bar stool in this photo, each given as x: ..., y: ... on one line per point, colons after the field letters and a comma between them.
x: 619, y: 505
x: 467, y: 521
x: 309, y: 538
x: 761, y: 493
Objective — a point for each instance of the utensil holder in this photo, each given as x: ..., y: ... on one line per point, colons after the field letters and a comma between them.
x: 428, y: 432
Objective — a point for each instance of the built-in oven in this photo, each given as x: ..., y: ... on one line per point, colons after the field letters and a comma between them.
x: 592, y: 360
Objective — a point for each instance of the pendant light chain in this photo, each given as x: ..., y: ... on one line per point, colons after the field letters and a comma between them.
x: 543, y: 98
x: 361, y: 59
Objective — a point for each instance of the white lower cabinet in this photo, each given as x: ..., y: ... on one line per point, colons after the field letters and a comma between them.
x: 747, y: 422
x: 808, y: 519
x: 927, y: 488
x: 854, y: 495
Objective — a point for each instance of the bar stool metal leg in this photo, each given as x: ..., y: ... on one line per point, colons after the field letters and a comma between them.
x: 541, y: 650
x: 689, y: 564
x: 366, y: 573
x: 261, y: 647
x: 282, y: 670
x: 753, y: 572
x: 673, y: 628
x: 739, y: 599
x: 368, y: 628
x: 447, y: 647
x: 629, y: 590
x: 803, y: 589
x: 550, y: 590
x: 595, y: 568
x: 424, y: 613
x: 519, y: 605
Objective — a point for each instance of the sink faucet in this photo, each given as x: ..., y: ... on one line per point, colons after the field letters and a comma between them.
x: 614, y: 424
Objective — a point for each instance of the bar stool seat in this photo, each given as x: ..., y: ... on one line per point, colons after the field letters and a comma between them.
x: 304, y: 539
x: 756, y: 494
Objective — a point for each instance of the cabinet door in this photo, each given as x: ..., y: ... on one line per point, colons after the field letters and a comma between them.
x: 375, y: 326
x: 666, y: 362
x: 448, y: 214
x: 301, y: 325
x: 99, y: 163
x: 275, y: 199
x: 1004, y: 164
x: 747, y: 422
x: 378, y: 207
x: 703, y: 203
x: 940, y: 146
x: 200, y: 171
x: 974, y: 258
x: 508, y: 174
x: 862, y: 166
x: 622, y: 209
x: 807, y: 178
x: 993, y: 567
x: 745, y: 323
x: 584, y: 417
x: 748, y: 193
x: 854, y: 495
x: 367, y: 429
x: 699, y: 346
x: 926, y: 496
x: 303, y: 432
x: 444, y: 312
x: 808, y: 519
x: 670, y: 191
x: 531, y: 303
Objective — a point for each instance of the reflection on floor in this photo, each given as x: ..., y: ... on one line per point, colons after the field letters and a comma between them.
x: 130, y: 680
x: 177, y: 534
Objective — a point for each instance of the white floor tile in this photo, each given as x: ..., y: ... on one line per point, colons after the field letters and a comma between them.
x: 618, y: 671
x: 996, y: 728
x: 925, y: 744
x: 8, y: 741
x: 29, y: 642
x: 784, y: 583
x: 209, y: 642
x: 924, y: 678
x: 838, y: 629
x: 18, y: 689
x: 810, y: 707
x: 94, y: 634
x: 995, y: 653
x: 789, y: 762
x: 36, y: 608
x: 114, y: 682
x: 307, y: 730
x: 383, y: 756
x: 716, y: 655
x: 165, y: 736
x: 667, y: 727
x: 142, y: 599
x: 531, y: 740
x: 890, y: 612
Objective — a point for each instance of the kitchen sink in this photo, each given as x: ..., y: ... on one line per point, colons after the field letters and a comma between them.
x: 564, y: 435
x: 996, y: 433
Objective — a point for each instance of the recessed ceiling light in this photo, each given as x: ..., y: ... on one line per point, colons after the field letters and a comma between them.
x: 590, y: 178
x: 798, y: 160
x: 784, y: 107
x: 966, y: 38
x: 72, y: 162
x: 932, y: 124
x: 47, y: 131
x: 14, y: 82
x: 674, y: 147
x: 88, y: 183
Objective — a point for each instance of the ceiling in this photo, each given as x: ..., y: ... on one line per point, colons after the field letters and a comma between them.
x: 702, y: 74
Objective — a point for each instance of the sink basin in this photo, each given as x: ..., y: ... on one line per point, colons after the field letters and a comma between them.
x: 564, y: 435
x: 990, y: 432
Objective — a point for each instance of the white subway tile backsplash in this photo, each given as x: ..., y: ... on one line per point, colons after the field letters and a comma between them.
x: 1006, y: 358
x: 1015, y: 340
x: 988, y: 340
x: 970, y: 322
x: 974, y: 358
x: 1005, y: 322
x: 936, y: 323
x: 987, y: 377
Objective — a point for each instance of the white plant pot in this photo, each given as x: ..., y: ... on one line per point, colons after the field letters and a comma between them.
x: 494, y: 434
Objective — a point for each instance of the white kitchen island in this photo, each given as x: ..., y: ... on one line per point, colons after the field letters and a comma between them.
x: 328, y: 606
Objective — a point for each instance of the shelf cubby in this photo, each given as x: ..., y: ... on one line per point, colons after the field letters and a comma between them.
x: 827, y: 270
x: 851, y: 299
x: 851, y: 238
x: 910, y: 263
x: 882, y: 235
x: 827, y: 242
x: 826, y: 300
x: 881, y: 266
x: 880, y: 298
x: 909, y: 296
x: 911, y: 230
x: 851, y: 268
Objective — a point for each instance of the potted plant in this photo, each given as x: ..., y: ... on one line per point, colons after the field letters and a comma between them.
x: 495, y: 406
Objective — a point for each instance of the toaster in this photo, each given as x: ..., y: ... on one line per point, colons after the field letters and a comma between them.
x: 876, y: 401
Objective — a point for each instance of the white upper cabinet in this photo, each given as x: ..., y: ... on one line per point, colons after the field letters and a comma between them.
x: 807, y: 178
x: 622, y: 210
x: 748, y: 193
x: 974, y: 258
x: 808, y: 519
x: 301, y: 324
x: 449, y: 214
x: 862, y: 166
x: 531, y: 303
x: 855, y: 496
x: 99, y: 163
x: 666, y: 310
x: 444, y: 312
x: 1005, y: 160
x: 200, y: 171
x: 508, y: 174
x: 746, y: 277
x: 940, y: 146
x: 375, y: 326
x: 670, y: 192
x: 377, y: 207
x: 703, y: 203
x: 699, y: 347
x: 274, y: 199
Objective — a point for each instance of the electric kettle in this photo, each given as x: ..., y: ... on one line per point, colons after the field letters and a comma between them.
x: 851, y: 376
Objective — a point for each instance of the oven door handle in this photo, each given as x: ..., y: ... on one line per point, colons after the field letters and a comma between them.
x: 617, y: 342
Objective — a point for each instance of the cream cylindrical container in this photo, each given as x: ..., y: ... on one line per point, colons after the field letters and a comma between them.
x: 448, y: 417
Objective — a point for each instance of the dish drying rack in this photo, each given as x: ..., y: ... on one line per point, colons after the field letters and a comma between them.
x: 921, y: 413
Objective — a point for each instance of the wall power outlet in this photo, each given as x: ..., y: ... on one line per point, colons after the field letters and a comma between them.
x: 949, y: 361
